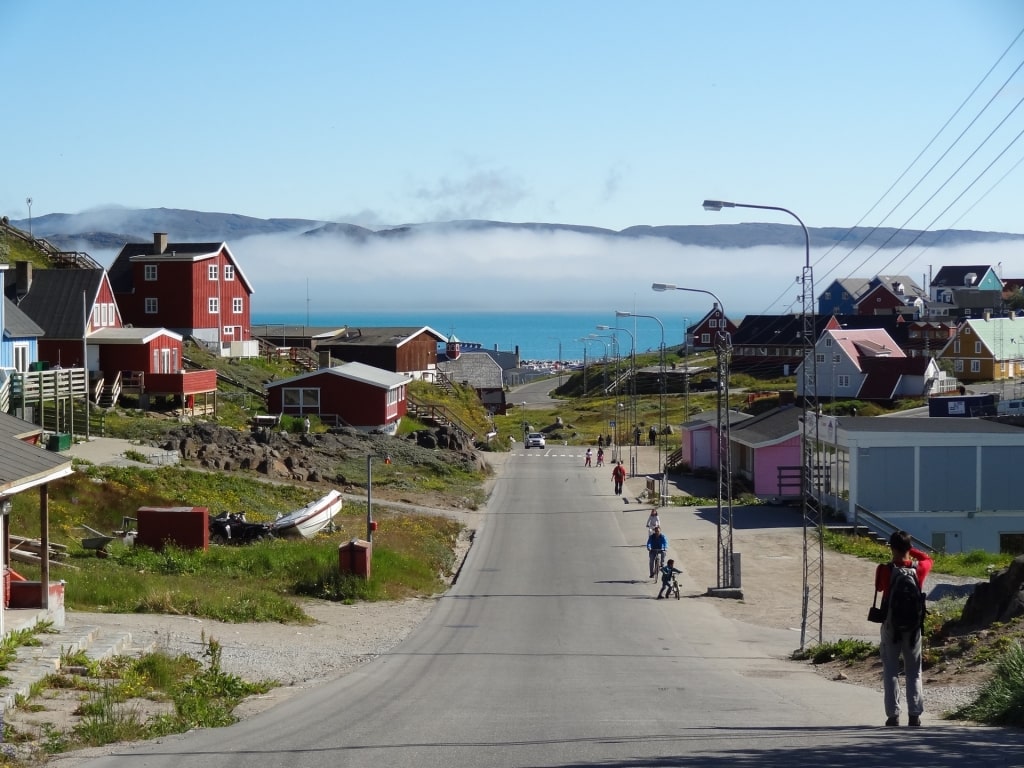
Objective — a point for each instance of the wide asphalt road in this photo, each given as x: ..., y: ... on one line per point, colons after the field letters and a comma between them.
x: 551, y: 651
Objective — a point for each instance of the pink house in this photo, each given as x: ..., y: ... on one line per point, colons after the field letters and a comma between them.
x: 766, y: 452
x: 765, y: 449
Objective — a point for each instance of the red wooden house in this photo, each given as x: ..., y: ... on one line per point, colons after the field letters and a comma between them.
x: 353, y: 394
x: 78, y: 314
x: 195, y: 289
x: 704, y: 332
x: 404, y: 349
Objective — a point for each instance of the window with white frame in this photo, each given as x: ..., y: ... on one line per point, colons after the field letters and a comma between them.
x: 237, y: 306
x: 705, y: 338
x: 229, y: 271
x: 149, y: 272
x: 20, y: 359
x: 975, y: 366
x: 300, y: 400
x: 977, y: 347
x: 151, y: 306
x: 958, y: 365
x: 828, y: 341
x: 229, y: 331
x: 956, y: 346
x: 836, y: 358
x: 213, y: 305
x: 843, y: 380
x: 211, y: 272
x: 819, y: 357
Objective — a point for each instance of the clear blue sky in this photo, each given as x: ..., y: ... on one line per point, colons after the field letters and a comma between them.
x: 608, y: 114
x: 601, y: 113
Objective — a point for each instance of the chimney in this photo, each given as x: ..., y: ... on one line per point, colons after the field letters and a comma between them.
x: 988, y: 315
x: 159, y: 242
x: 23, y: 275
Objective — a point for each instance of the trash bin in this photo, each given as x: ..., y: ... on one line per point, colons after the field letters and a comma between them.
x: 59, y: 441
x: 354, y: 557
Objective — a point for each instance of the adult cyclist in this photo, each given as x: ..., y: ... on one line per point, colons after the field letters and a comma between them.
x: 657, y: 547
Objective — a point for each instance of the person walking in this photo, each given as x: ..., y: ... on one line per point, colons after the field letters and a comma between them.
x: 652, y: 435
x: 600, y: 457
x: 653, y: 521
x: 657, y: 548
x: 618, y: 477
x: 586, y: 462
x: 901, y: 582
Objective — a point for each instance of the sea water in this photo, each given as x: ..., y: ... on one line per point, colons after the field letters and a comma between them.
x: 538, y: 336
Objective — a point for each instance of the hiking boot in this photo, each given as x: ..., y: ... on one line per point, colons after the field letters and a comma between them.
x: 894, y: 720
x: 915, y: 721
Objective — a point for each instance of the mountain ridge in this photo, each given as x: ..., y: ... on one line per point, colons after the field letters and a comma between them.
x: 106, y: 229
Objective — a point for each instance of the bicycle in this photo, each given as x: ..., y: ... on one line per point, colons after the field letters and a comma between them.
x: 657, y: 562
x: 673, y: 587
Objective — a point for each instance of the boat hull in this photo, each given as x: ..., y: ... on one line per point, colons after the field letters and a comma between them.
x: 311, y: 519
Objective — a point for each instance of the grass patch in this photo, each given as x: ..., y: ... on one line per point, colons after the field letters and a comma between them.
x: 841, y: 650
x: 1001, y: 701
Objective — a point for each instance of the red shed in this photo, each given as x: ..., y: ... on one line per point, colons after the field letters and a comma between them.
x: 358, y: 395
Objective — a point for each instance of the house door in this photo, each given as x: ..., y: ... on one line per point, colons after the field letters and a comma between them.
x: 949, y: 542
x: 701, y: 450
x: 165, y: 361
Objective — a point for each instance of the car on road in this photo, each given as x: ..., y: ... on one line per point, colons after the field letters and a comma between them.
x: 535, y: 440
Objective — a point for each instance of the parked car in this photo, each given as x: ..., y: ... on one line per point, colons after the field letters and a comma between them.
x: 535, y: 440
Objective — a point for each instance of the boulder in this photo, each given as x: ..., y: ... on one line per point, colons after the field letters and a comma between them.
x: 1000, y: 599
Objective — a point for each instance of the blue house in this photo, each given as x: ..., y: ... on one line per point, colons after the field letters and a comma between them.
x: 19, y: 346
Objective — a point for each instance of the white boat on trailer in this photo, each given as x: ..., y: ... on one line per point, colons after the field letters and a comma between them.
x: 311, y: 519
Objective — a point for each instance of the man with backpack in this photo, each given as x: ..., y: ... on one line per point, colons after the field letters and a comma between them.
x: 901, y: 582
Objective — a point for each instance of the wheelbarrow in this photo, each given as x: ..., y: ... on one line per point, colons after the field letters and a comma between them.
x: 97, y: 542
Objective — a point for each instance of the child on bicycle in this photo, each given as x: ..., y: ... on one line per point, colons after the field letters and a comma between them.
x: 668, y: 575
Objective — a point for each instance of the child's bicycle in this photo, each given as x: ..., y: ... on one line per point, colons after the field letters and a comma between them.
x: 673, y: 588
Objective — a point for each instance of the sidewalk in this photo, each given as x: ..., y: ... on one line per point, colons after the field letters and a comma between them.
x: 112, y: 450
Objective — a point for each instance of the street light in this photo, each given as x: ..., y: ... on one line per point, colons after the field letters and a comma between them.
x: 632, y: 393
x: 661, y: 413
x: 28, y: 202
x: 555, y: 338
x: 728, y: 572
x: 811, y: 507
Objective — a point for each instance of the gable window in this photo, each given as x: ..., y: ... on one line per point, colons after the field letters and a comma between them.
x: 213, y: 305
x: 828, y: 295
x: 977, y: 347
x: 836, y: 358
x: 819, y: 357
x: 956, y: 347
x: 211, y: 272
x: 229, y: 271
x: 151, y: 306
x: 843, y: 380
x: 149, y: 272
x: 846, y: 296
x: 975, y: 366
x: 237, y: 306
x: 828, y: 341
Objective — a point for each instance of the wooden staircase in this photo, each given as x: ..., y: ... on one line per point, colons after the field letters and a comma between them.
x: 437, y: 415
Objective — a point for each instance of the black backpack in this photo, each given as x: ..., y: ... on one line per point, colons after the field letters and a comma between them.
x: 906, y: 600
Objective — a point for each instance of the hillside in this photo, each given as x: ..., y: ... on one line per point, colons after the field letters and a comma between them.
x: 103, y: 230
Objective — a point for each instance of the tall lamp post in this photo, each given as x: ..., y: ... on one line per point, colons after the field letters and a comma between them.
x: 728, y: 561
x: 555, y: 338
x: 632, y: 393
x: 661, y: 409
x: 28, y: 202
x: 814, y: 534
